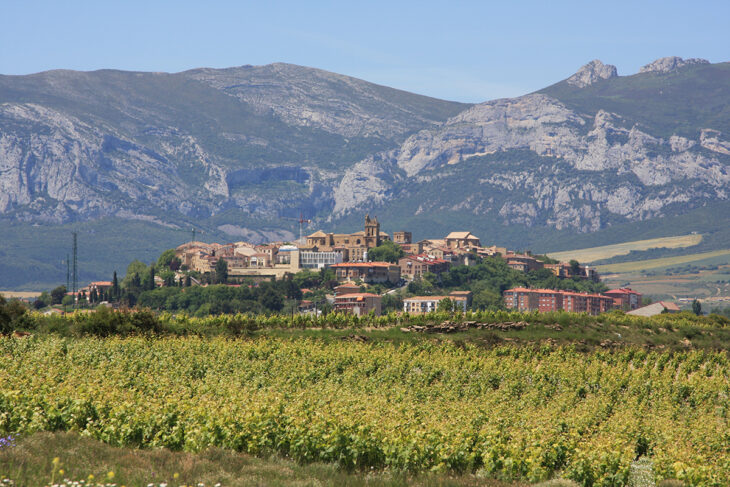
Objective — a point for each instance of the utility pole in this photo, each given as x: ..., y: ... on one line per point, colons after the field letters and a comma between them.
x: 68, y: 273
x: 193, y: 240
x: 75, y: 270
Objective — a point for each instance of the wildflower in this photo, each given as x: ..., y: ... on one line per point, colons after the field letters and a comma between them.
x: 61, y: 472
x: 175, y: 475
x: 91, y: 476
x: 56, y: 461
x: 110, y: 475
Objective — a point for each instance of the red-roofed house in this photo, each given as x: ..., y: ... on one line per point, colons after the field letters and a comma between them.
x: 414, y: 266
x: 368, y: 272
x: 358, y: 303
x: 625, y: 298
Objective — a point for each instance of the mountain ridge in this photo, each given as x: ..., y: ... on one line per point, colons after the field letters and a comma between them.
x: 233, y: 151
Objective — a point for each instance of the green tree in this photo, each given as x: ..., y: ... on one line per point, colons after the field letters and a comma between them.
x: 57, y: 294
x: 574, y: 267
x: 221, y: 271
x: 271, y: 300
x: 135, y: 268
x: 115, y: 287
x: 445, y: 304
x: 697, y: 307
x: 386, y: 252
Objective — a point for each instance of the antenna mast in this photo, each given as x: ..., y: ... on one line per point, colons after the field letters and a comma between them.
x: 75, y: 270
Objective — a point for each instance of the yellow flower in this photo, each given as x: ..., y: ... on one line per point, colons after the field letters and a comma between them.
x: 110, y: 475
x: 91, y: 476
x: 61, y: 472
x: 175, y: 475
x: 56, y: 461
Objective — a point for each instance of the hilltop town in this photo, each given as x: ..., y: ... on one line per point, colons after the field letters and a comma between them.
x: 368, y: 271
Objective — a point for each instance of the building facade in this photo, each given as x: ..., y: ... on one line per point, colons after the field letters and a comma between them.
x: 427, y: 304
x: 358, y: 304
x: 412, y: 267
x: 625, y: 298
x: 367, y: 272
x: 544, y: 300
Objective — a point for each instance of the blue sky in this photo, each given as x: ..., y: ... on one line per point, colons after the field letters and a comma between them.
x: 467, y: 51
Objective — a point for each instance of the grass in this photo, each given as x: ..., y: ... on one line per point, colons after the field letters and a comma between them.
x: 663, y: 262
x: 30, y: 463
x: 607, y: 251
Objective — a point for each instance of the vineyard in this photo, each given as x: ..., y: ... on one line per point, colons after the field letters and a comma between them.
x: 507, y: 412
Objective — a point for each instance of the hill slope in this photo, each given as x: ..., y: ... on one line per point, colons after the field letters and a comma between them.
x: 595, y: 159
x: 592, y: 152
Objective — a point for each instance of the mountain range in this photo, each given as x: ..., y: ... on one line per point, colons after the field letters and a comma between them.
x: 134, y: 160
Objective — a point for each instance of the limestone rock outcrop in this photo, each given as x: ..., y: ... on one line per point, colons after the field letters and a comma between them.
x: 592, y: 72
x: 670, y: 63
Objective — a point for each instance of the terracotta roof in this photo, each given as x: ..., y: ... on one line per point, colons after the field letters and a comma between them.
x: 347, y: 284
x: 623, y: 290
x: 426, y: 259
x: 357, y: 295
x: 434, y: 298
x: 669, y: 305
x: 460, y: 235
x: 363, y: 264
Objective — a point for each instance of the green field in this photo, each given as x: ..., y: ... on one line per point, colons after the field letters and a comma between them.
x: 716, y: 256
x: 510, y: 413
x: 607, y: 251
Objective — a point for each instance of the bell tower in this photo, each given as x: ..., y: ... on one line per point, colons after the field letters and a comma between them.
x: 372, y: 230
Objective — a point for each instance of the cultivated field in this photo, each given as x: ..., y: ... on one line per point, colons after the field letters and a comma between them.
x: 506, y: 412
x: 607, y: 251
x: 716, y: 256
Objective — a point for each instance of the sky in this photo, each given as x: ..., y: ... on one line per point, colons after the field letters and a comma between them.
x: 467, y: 51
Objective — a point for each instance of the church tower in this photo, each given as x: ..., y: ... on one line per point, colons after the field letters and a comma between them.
x: 372, y: 231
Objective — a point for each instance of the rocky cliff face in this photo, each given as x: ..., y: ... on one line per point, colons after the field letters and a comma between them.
x: 255, y: 140
x: 592, y: 72
x: 237, y: 148
x: 570, y: 171
x: 671, y: 63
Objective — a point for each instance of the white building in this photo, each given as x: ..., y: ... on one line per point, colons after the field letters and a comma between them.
x: 318, y: 260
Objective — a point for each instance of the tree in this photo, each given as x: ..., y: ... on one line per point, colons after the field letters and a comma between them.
x: 115, y: 287
x: 57, y: 294
x: 574, y: 267
x: 221, y: 271
x: 42, y: 301
x: 149, y: 283
x: 271, y: 300
x: 386, y: 252
x: 446, y: 304
x: 697, y: 307
x: 135, y: 268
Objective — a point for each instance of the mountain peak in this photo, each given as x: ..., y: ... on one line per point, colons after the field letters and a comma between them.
x: 670, y: 63
x: 592, y: 72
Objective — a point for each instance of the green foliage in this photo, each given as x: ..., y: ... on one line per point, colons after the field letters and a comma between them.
x: 520, y: 414
x: 221, y: 271
x: 133, y: 278
x: 696, y: 307
x: 57, y: 294
x: 445, y: 305
x: 386, y: 252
